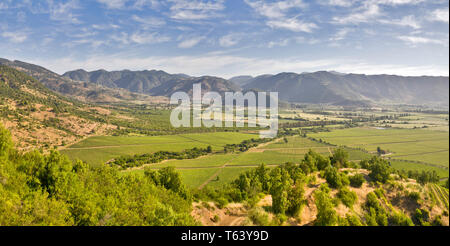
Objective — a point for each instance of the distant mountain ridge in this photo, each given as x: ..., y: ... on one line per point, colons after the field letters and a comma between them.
x: 134, y: 81
x: 153, y: 82
x: 79, y: 89
x: 321, y: 87
x: 343, y: 89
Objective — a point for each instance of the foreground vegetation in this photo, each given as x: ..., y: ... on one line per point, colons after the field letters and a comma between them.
x: 38, y: 189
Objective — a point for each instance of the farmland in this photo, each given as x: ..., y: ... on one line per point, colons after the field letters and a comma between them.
x: 422, y: 149
x: 219, y: 169
x: 97, y: 150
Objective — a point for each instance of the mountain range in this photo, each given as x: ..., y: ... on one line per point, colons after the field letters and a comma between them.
x: 321, y: 87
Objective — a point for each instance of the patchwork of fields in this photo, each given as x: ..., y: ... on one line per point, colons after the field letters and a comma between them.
x: 408, y: 149
x: 423, y: 149
x: 97, y: 150
x: 219, y: 169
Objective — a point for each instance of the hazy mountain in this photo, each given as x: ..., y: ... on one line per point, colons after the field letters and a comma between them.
x: 344, y: 89
x: 134, y: 81
x: 319, y: 87
x: 208, y: 84
x: 74, y: 87
x: 241, y: 80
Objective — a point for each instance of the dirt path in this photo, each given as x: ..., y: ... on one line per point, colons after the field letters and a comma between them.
x: 228, y: 162
x: 216, y: 173
x: 259, y: 148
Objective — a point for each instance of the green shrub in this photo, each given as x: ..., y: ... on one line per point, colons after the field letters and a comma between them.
x: 357, y: 180
x: 347, y: 197
x: 259, y: 217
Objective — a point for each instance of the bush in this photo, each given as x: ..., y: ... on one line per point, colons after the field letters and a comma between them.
x: 332, y: 176
x: 414, y: 196
x: 347, y: 197
x: 326, y: 215
x: 357, y: 180
x: 259, y: 217
x: 215, y: 219
x: 400, y: 219
x: 380, y: 170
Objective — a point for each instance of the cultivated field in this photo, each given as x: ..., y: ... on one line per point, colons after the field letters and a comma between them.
x: 97, y: 150
x: 422, y: 148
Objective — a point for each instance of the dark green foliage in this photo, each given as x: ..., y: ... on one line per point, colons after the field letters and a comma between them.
x: 280, y: 184
x: 37, y: 189
x: 244, y: 145
x: 376, y: 215
x: 347, y: 197
x: 424, y: 177
x: 314, y: 162
x: 125, y: 162
x: 379, y: 169
x: 357, y: 180
x: 326, y: 215
x: 168, y: 178
x: 421, y: 217
x: 400, y: 219
x: 334, y: 178
x: 353, y: 220
x: 339, y: 158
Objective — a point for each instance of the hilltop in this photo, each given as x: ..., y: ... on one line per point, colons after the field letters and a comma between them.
x: 39, y: 117
x: 80, y: 90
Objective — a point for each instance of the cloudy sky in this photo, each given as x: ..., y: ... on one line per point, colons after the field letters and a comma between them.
x: 229, y: 37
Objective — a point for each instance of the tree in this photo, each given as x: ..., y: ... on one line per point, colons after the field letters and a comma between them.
x: 281, y: 182
x: 357, y: 180
x: 380, y: 169
x: 326, y: 215
x: 6, y: 143
x: 334, y: 178
x: 169, y: 178
x: 347, y: 197
x: 295, y: 199
x: 339, y: 158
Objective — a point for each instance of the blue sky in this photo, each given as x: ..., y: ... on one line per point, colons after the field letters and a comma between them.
x: 229, y: 37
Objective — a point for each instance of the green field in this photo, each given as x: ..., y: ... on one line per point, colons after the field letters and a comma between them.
x: 406, y: 144
x: 406, y: 165
x: 97, y: 150
x: 410, y: 149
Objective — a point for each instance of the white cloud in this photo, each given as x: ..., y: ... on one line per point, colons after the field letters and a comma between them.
x: 294, y: 25
x: 414, y: 40
x: 229, y: 40
x: 280, y: 43
x: 149, y: 22
x: 113, y: 4
x: 64, y: 11
x: 15, y: 37
x: 439, y: 15
x: 278, y: 17
x: 340, y: 3
x: 195, y: 9
x: 364, y: 14
x: 409, y: 21
x: 189, y: 43
x: 3, y: 6
x: 148, y: 38
x: 370, y: 10
x: 341, y: 34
